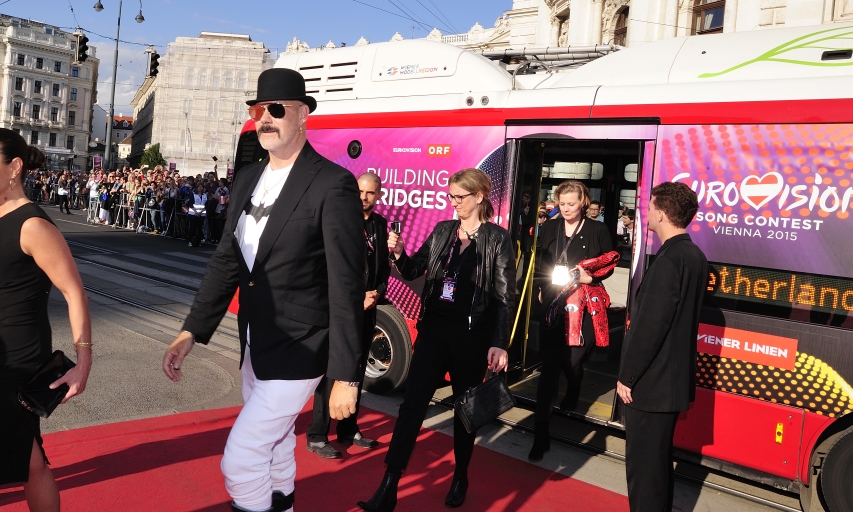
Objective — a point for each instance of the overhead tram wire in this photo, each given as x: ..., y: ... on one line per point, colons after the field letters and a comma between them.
x: 411, y: 15
x: 387, y: 11
x: 441, y: 22
x: 444, y: 16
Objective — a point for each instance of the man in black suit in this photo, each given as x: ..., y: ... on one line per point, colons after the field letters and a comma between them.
x: 656, y: 379
x: 294, y: 246
x: 377, y: 271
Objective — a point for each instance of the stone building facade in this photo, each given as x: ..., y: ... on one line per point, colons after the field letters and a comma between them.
x: 196, y: 105
x: 47, y: 97
x: 550, y: 23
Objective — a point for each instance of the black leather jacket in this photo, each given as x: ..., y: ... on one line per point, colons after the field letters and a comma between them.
x: 494, y: 296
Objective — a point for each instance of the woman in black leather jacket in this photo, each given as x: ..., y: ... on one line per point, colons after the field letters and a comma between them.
x: 464, y: 323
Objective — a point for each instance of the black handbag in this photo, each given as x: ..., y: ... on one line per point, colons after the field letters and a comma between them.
x: 482, y: 404
x: 36, y: 395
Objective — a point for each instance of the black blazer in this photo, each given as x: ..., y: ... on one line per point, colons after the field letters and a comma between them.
x: 304, y: 297
x: 593, y: 240
x: 381, y: 262
x: 659, y: 351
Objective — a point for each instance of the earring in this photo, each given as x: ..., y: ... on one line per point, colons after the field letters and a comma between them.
x: 12, y: 183
x: 301, y: 129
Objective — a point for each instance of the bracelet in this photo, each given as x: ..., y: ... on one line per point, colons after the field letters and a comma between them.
x: 82, y: 344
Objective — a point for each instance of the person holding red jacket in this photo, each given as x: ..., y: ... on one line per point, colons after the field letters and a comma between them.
x: 566, y: 241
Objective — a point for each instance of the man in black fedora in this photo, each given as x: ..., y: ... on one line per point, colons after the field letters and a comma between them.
x: 295, y: 250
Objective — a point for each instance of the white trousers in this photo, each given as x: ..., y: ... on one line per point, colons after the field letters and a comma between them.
x: 259, y: 455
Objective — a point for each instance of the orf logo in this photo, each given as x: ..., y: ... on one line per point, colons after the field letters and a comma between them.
x: 438, y: 149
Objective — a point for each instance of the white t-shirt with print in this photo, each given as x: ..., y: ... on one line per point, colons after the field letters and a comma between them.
x: 249, y: 227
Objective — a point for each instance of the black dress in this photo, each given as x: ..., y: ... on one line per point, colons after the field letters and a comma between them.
x: 25, y: 341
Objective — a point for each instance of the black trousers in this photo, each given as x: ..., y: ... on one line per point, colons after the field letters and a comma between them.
x: 442, y: 346
x: 63, y: 201
x: 556, y: 357
x: 194, y: 229
x: 318, y: 430
x: 648, y: 459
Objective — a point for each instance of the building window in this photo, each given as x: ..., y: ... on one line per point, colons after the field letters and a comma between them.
x: 36, y: 111
x: 57, y: 66
x: 20, y: 59
x: 56, y: 89
x: 39, y: 63
x: 16, y: 109
x: 229, y: 80
x: 34, y: 137
x: 51, y: 140
x: 17, y: 130
x: 213, y: 109
x: 72, y: 118
x: 73, y: 95
x: 620, y: 34
x: 188, y: 107
x: 75, y: 71
x: 19, y: 84
x: 69, y: 142
x: 189, y: 77
x: 54, y: 114
x: 708, y: 16
x: 37, y: 87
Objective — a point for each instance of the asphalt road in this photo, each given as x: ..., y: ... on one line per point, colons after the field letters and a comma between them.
x: 140, y: 287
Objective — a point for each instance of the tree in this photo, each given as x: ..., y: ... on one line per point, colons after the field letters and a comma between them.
x: 152, y: 157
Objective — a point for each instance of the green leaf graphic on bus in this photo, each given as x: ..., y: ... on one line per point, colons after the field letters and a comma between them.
x: 822, y: 40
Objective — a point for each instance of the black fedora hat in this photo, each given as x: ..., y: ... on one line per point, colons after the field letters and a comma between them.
x: 279, y: 84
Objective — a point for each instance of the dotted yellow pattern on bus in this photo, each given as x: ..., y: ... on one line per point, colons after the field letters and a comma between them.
x: 813, y: 385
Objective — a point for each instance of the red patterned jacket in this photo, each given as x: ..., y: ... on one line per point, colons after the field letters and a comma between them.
x: 592, y: 298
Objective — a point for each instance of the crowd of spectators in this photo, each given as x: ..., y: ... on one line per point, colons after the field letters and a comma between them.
x: 155, y: 201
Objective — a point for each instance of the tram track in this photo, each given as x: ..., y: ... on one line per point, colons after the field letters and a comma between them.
x: 128, y: 301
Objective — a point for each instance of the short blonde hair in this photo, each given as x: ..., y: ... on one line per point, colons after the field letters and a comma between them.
x: 569, y: 186
x: 476, y: 181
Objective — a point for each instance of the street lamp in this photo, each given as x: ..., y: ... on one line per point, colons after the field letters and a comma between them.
x: 139, y: 19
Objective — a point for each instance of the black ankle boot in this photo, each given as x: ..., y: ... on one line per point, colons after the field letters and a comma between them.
x: 281, y: 502
x: 456, y: 496
x: 385, y: 498
x: 541, y: 442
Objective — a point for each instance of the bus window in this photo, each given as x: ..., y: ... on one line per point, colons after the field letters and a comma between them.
x: 609, y: 169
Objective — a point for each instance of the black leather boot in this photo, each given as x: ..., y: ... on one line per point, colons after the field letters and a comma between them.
x: 385, y: 498
x: 456, y: 496
x: 541, y: 441
x: 236, y: 508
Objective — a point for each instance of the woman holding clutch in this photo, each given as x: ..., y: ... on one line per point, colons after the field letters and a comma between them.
x: 464, y: 327
x: 33, y: 254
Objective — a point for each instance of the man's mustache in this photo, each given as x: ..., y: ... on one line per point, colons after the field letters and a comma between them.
x: 267, y: 128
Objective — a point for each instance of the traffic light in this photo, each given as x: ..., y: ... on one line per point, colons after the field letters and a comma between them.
x: 152, y: 67
x: 82, y: 48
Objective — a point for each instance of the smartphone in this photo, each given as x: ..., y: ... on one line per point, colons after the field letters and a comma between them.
x: 396, y: 227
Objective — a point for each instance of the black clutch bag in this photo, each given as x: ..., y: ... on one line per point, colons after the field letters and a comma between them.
x: 481, y: 405
x: 36, y: 395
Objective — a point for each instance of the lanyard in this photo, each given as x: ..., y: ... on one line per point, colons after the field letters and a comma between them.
x: 450, y: 253
x: 563, y: 259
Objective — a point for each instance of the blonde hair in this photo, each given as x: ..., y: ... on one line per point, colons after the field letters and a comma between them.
x: 476, y: 181
x: 569, y: 186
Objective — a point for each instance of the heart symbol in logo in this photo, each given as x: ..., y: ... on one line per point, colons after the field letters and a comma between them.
x: 759, y: 191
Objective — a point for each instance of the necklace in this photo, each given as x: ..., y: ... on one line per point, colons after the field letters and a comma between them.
x: 471, y: 235
x: 268, y: 188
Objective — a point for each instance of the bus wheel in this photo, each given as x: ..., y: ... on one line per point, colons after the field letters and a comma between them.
x: 390, y: 352
x: 837, y: 474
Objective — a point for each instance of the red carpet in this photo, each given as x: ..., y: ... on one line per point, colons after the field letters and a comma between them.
x: 171, y: 464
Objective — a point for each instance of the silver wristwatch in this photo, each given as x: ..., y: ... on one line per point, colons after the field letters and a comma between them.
x: 350, y: 384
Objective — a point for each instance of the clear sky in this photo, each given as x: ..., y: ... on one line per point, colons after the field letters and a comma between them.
x: 272, y: 22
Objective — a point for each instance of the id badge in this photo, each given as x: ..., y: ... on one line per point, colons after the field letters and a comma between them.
x: 561, y: 275
x: 448, y: 289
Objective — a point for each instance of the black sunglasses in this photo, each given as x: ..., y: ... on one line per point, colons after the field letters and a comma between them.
x: 276, y: 110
